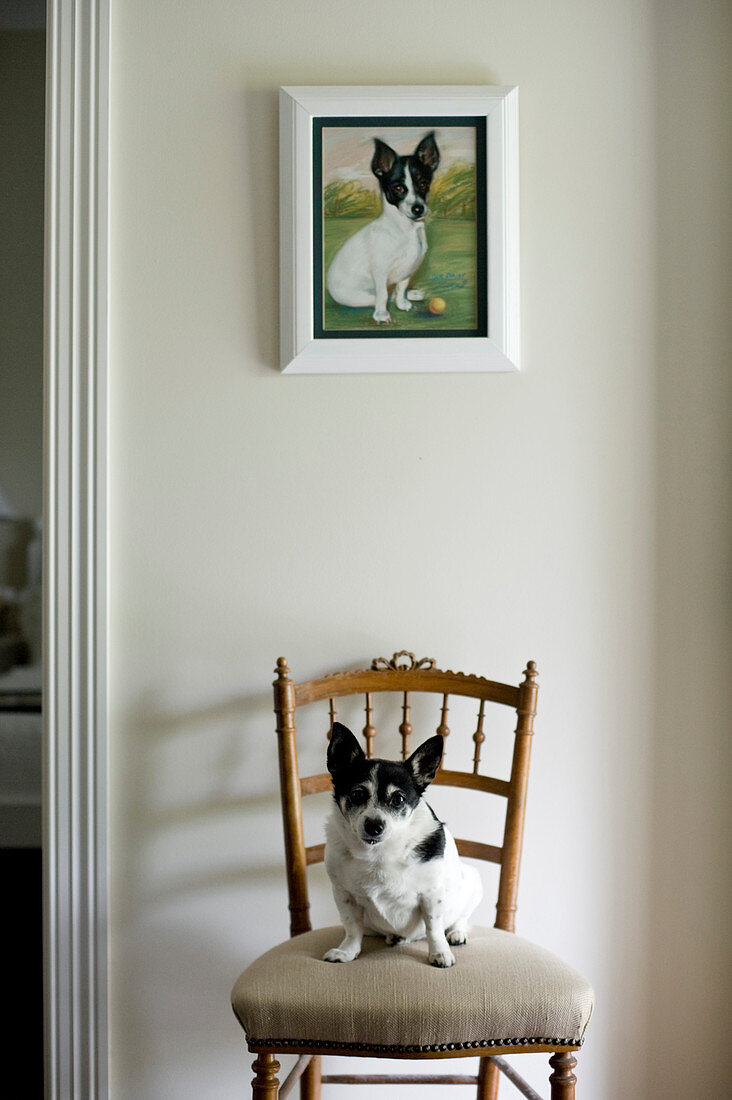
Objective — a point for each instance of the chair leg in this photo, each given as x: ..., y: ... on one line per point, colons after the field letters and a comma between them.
x: 265, y: 1085
x: 310, y: 1080
x: 488, y: 1077
x: 562, y: 1079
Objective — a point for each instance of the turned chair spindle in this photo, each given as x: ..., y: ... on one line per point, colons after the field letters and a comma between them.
x: 405, y: 726
x: 562, y: 1079
x: 443, y: 729
x: 478, y: 737
x: 369, y: 730
x: 265, y: 1085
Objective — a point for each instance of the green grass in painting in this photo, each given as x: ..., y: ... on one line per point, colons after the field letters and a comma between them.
x: 447, y: 271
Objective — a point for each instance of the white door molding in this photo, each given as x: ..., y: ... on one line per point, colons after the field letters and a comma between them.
x: 75, y: 573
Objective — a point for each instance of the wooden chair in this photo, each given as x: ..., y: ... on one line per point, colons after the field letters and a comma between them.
x: 291, y: 1002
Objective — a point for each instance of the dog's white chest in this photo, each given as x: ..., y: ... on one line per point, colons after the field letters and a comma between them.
x: 407, y: 250
x: 390, y: 904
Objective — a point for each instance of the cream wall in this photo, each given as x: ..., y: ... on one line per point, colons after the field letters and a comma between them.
x: 483, y: 520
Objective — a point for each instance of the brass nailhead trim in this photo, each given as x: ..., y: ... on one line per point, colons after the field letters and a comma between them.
x: 318, y: 1044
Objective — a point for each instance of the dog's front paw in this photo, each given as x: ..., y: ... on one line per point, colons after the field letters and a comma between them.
x: 443, y: 959
x: 457, y: 937
x: 338, y: 955
x: 382, y: 316
x: 404, y: 305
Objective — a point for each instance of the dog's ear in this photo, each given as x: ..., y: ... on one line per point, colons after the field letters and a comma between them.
x: 427, y: 152
x: 343, y: 748
x: 383, y: 158
x: 425, y: 761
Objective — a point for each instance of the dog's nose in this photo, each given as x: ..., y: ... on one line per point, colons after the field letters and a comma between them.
x: 373, y: 827
x: 417, y: 209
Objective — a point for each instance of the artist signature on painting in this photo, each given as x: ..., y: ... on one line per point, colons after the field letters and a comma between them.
x: 450, y: 280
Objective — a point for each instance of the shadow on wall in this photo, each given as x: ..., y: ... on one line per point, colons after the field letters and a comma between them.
x: 235, y: 785
x: 200, y: 863
x: 690, y: 885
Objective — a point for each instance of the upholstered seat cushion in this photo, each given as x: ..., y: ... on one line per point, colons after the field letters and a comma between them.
x: 503, y: 990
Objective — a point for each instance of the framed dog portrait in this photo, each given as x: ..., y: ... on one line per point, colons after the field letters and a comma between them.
x: 399, y: 229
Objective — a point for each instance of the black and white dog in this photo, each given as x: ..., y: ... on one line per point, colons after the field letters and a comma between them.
x: 393, y: 865
x: 384, y: 255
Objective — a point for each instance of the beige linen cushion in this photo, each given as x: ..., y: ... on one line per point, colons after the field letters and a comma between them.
x: 503, y: 990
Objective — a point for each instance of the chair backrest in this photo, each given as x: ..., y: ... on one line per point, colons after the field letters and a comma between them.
x: 404, y: 674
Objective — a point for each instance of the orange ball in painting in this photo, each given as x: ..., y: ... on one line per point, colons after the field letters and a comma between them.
x: 437, y: 305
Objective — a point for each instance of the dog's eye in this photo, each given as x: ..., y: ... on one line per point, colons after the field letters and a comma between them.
x: 359, y: 796
x: 397, y: 799
x: 400, y: 189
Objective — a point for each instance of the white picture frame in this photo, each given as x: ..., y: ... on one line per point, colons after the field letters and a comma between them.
x: 496, y: 348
